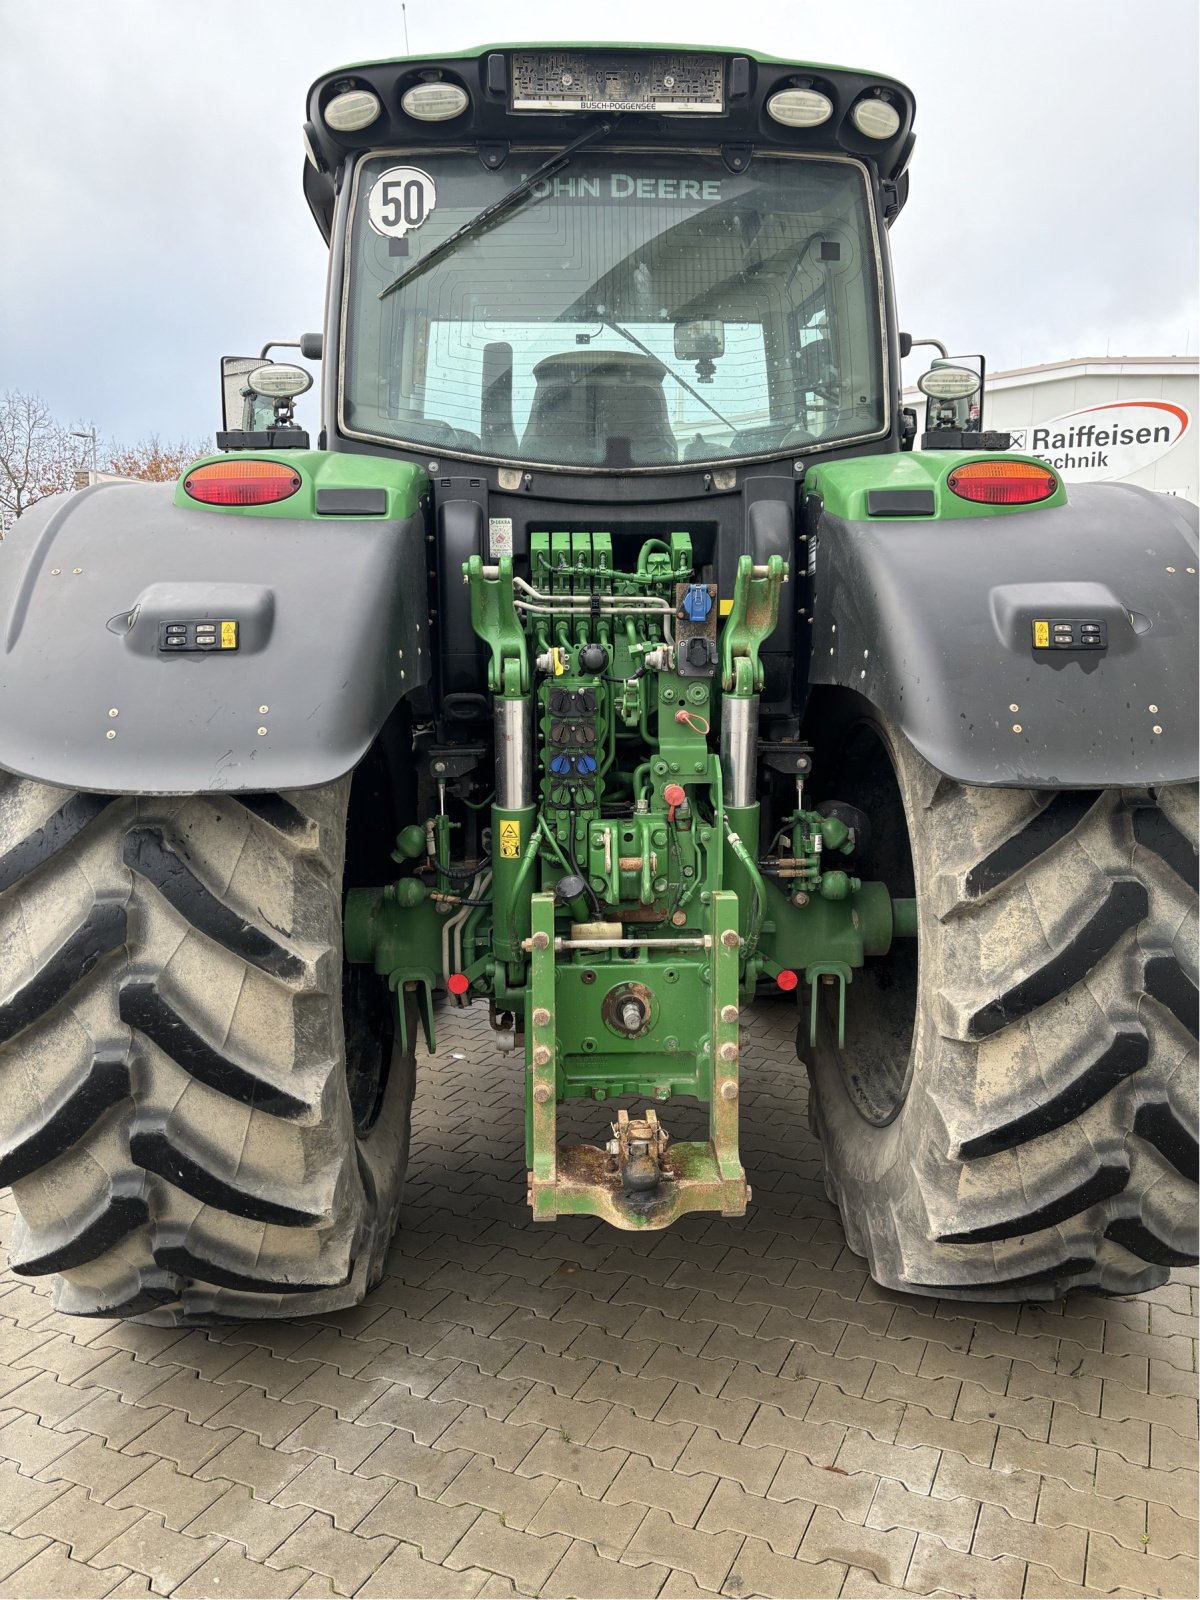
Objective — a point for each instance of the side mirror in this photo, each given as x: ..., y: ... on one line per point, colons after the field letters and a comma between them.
x: 237, y: 398
x: 954, y: 392
x: 256, y: 404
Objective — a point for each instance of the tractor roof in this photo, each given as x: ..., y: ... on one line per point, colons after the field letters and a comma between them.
x: 499, y: 106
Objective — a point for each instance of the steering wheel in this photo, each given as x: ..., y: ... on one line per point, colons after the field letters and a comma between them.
x: 796, y: 438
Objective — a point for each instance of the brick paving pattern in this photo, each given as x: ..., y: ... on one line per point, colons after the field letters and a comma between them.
x: 723, y: 1408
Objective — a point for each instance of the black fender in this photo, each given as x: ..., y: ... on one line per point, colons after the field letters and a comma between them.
x: 931, y: 620
x: 332, y: 632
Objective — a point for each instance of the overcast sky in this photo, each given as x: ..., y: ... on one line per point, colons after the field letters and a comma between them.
x: 153, y: 218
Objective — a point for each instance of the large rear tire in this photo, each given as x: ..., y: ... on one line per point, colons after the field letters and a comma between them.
x: 1014, y: 1113
x: 183, y: 1133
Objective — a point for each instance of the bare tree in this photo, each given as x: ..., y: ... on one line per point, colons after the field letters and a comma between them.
x: 37, y: 456
x: 155, y: 461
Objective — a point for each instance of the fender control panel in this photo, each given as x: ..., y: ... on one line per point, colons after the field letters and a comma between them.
x: 1070, y: 633
x: 197, y: 634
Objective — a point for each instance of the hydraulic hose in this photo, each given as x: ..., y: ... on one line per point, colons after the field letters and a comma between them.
x: 760, y: 893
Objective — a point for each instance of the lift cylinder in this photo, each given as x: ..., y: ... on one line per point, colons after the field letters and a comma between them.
x: 514, y: 817
x: 739, y: 740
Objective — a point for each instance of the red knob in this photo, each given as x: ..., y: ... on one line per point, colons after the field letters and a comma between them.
x: 673, y: 794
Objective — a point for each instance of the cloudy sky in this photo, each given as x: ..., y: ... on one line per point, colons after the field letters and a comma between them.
x: 153, y: 218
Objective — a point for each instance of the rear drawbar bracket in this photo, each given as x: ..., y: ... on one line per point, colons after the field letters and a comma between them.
x: 585, y: 1179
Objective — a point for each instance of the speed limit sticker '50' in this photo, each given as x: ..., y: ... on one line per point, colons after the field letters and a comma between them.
x: 400, y: 200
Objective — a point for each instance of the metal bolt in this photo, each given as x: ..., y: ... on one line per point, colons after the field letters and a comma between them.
x: 1151, y: 708
x: 729, y: 1090
x: 729, y: 939
x: 262, y: 733
x: 1017, y: 728
x: 262, y: 710
x: 54, y: 571
x: 541, y: 1056
x: 827, y: 979
x: 1156, y: 728
x: 679, y: 918
x: 729, y: 1013
x: 1014, y: 707
x: 76, y: 570
x: 800, y: 898
x: 541, y: 1094
x: 1169, y: 569
x: 541, y: 1017
x: 540, y: 941
x: 729, y: 1052
x: 111, y: 734
x: 113, y: 712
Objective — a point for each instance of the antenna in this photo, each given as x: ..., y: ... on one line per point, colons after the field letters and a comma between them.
x: 404, y: 14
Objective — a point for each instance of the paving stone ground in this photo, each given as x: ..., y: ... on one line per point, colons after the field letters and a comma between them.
x: 723, y: 1408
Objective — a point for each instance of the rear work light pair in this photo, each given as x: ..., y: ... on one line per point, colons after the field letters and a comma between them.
x: 355, y: 109
x: 241, y: 483
x: 1002, y: 483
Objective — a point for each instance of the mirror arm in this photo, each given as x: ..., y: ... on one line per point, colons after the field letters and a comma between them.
x: 284, y: 344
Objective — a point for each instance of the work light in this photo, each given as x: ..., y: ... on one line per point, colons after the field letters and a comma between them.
x: 875, y: 117
x: 800, y: 108
x: 355, y: 109
x: 434, y: 102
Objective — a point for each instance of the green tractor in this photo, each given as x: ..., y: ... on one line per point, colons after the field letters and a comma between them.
x: 616, y: 656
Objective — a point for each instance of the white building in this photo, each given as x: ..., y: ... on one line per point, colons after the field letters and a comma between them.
x: 1133, y: 419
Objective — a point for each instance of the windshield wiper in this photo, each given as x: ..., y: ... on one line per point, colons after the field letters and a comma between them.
x: 481, y: 219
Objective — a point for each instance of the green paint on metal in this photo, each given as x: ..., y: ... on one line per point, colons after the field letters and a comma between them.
x: 494, y: 618
x: 904, y: 920
x: 404, y: 484
x: 753, y: 615
x: 842, y: 486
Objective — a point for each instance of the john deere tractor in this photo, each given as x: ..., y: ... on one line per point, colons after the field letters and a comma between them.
x: 617, y: 654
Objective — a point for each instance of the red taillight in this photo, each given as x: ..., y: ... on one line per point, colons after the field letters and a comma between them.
x: 787, y: 980
x: 1002, y: 483
x: 458, y: 983
x: 241, y: 483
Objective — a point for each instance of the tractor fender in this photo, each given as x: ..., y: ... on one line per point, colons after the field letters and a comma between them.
x: 331, y: 632
x: 931, y: 619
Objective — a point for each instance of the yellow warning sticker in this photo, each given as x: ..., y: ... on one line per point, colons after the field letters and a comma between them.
x: 510, y: 840
x: 229, y: 636
x: 1041, y: 635
x: 725, y: 607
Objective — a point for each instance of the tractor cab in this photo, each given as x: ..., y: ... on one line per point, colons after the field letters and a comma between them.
x: 608, y: 260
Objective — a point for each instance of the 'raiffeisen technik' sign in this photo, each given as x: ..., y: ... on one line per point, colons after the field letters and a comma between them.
x: 1105, y: 441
